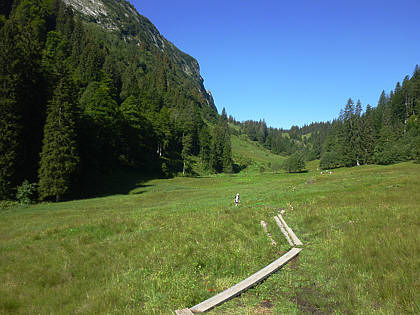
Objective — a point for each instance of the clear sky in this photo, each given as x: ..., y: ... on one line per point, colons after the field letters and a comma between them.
x: 292, y: 62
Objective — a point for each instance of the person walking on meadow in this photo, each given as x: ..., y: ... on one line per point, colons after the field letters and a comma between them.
x: 236, y: 200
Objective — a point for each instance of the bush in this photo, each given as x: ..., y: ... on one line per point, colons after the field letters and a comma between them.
x: 330, y: 160
x: 294, y: 164
x: 276, y: 166
x: 26, y: 193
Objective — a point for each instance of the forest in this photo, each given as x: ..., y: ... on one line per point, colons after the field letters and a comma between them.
x: 78, y: 101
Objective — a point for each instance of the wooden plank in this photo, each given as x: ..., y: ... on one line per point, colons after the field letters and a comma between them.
x: 245, y: 284
x: 185, y: 311
x: 284, y: 231
x: 264, y: 225
x: 291, y: 233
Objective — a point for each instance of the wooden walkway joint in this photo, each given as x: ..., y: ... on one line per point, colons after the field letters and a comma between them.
x: 292, y: 235
x: 264, y: 225
x: 256, y: 277
x: 246, y: 284
x: 277, y: 219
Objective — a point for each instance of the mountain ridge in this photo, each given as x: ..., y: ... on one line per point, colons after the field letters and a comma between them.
x: 122, y: 19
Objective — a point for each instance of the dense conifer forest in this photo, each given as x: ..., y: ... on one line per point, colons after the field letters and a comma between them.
x: 79, y: 100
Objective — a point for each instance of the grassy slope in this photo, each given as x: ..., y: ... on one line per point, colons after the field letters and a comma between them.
x: 170, y: 244
x: 254, y: 155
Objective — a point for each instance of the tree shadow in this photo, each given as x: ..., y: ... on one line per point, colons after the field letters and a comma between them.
x: 120, y: 181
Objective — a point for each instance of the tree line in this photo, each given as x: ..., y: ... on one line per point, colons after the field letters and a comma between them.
x: 77, y: 101
x: 385, y: 134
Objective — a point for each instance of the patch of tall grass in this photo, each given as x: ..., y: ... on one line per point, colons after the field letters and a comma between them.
x: 171, y: 243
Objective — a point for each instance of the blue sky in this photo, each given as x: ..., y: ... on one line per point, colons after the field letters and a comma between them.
x: 293, y: 62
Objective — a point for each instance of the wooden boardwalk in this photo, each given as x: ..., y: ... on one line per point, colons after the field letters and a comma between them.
x: 245, y: 284
x: 277, y: 219
x: 256, y: 277
x: 293, y: 236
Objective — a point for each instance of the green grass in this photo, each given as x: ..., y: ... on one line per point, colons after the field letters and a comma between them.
x: 171, y: 243
x: 254, y: 155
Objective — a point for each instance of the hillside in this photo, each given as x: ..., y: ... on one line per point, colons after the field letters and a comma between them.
x: 122, y: 20
x: 385, y: 134
x: 92, y: 87
x: 251, y: 156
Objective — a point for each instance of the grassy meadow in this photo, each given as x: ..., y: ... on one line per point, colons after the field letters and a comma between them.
x: 168, y: 244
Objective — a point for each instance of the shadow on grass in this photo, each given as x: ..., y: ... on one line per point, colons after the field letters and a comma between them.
x: 121, y: 181
x: 298, y: 172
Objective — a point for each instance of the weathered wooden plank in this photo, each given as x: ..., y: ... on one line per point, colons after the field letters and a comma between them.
x: 264, y: 225
x: 293, y: 236
x: 283, y: 231
x: 185, y: 311
x: 245, y: 284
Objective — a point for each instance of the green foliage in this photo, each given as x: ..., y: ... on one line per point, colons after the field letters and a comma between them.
x: 59, y: 156
x: 187, y: 143
x: 26, y: 193
x: 330, y: 160
x: 221, y: 150
x: 379, y: 135
x: 294, y: 164
x: 21, y: 104
x: 205, y: 147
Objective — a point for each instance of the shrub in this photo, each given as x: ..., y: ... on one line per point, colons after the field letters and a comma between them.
x: 276, y: 166
x: 294, y: 164
x: 26, y: 192
x: 330, y: 160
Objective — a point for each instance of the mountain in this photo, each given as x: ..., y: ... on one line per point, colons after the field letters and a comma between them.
x: 90, y: 87
x: 122, y: 20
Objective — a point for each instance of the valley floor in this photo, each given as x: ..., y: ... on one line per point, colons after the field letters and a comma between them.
x: 172, y: 243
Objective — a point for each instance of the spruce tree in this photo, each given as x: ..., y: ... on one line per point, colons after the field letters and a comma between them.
x: 216, y: 162
x: 9, y: 144
x: 59, y: 156
x: 21, y: 109
x: 368, y: 135
x: 205, y: 147
x: 227, y: 154
x: 187, y: 143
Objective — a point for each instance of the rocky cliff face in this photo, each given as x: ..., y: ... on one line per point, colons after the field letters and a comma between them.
x: 119, y: 16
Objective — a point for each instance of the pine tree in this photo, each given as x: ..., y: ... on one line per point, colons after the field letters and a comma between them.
x: 384, y: 148
x: 187, y: 143
x: 21, y: 105
x: 9, y: 144
x: 227, y: 154
x: 216, y: 162
x: 59, y: 157
x: 205, y: 147
x: 368, y: 136
x: 356, y: 140
x: 294, y: 163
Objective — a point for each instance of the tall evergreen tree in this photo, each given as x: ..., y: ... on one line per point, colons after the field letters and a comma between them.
x: 227, y: 154
x: 21, y: 105
x: 187, y: 144
x: 59, y: 157
x: 368, y: 136
x: 205, y: 147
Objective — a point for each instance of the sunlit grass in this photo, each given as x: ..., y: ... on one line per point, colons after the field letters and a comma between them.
x: 171, y: 243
